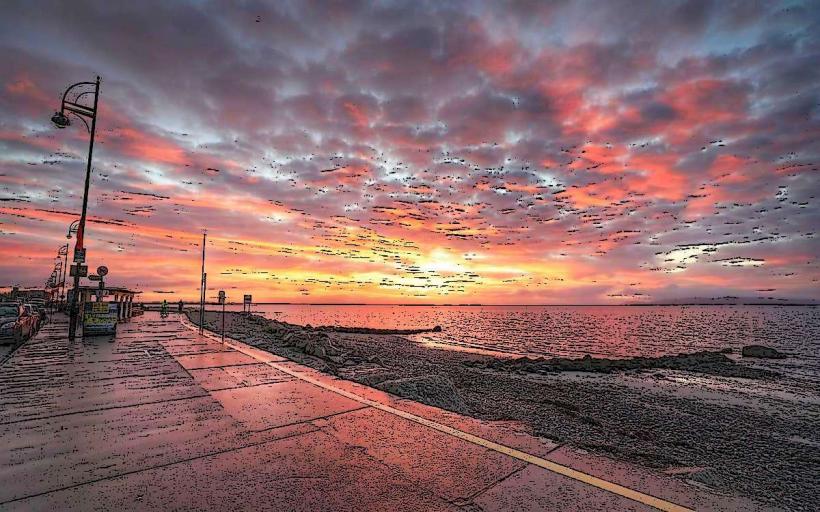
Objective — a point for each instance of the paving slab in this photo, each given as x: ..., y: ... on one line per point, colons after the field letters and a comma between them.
x: 450, y: 467
x: 52, y: 399
x: 219, y: 378
x: 273, y: 405
x: 185, y: 349
x: 214, y: 359
x: 308, y: 472
x: 255, y: 374
x: 71, y: 449
x: 532, y: 490
x: 657, y: 484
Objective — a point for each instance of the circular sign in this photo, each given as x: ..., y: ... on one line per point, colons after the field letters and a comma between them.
x: 102, y: 270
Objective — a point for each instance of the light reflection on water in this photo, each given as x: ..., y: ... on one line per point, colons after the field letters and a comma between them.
x: 604, y: 331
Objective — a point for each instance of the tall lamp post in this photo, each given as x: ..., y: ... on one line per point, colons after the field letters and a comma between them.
x: 56, y: 276
x: 63, y: 251
x: 202, y: 286
x: 61, y: 120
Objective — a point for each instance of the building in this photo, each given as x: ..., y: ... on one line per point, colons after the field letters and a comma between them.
x: 18, y: 295
x: 123, y: 297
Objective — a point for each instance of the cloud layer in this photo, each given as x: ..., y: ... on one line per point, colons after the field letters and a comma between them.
x: 517, y: 152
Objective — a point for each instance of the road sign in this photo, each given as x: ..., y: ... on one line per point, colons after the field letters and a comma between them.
x: 102, y: 270
x: 94, y: 277
x: 79, y: 255
x: 78, y: 269
x: 221, y: 297
x: 247, y: 299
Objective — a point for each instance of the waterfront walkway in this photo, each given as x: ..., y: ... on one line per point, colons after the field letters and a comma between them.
x: 163, y: 418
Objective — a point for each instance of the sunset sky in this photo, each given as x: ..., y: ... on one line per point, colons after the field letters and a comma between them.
x: 435, y: 152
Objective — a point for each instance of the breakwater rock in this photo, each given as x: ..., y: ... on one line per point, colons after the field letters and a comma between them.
x: 370, y: 330
x: 761, y: 352
x: 712, y: 363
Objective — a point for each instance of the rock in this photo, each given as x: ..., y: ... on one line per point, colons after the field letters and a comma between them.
x: 430, y: 389
x: 707, y: 477
x: 712, y: 363
x: 340, y: 360
x: 437, y: 328
x: 762, y: 352
x: 318, y: 350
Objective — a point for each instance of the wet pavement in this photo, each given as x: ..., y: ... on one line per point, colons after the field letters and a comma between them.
x: 163, y: 418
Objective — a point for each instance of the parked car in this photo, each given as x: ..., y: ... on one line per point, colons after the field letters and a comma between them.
x: 43, y: 312
x: 16, y: 324
x: 35, y: 316
x: 41, y: 308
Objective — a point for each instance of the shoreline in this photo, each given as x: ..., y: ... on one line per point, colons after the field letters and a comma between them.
x: 703, y: 428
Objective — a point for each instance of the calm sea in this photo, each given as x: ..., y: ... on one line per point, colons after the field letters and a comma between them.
x: 607, y: 331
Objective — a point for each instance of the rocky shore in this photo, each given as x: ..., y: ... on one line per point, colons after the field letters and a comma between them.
x: 710, y: 363
x: 705, y: 417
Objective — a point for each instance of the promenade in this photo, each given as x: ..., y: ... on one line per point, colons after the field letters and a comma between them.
x: 163, y: 418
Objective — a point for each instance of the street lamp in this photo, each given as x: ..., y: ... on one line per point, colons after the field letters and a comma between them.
x: 61, y: 120
x: 63, y: 251
x: 72, y: 228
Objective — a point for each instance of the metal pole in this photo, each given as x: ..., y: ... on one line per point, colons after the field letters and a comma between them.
x: 223, y: 322
x: 202, y: 288
x: 65, y: 272
x: 72, y: 325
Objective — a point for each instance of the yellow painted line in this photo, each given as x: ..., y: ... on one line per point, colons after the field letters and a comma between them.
x: 560, y: 469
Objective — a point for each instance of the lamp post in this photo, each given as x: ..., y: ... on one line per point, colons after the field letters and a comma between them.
x: 202, y: 286
x: 56, y: 276
x: 61, y: 120
x: 72, y: 228
x: 63, y: 251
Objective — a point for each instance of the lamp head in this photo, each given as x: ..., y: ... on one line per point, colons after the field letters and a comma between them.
x: 60, y: 120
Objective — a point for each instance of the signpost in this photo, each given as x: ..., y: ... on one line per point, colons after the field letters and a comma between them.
x: 78, y: 269
x: 222, y: 301
x: 246, y: 303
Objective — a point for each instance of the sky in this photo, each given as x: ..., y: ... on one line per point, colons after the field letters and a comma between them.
x: 419, y: 152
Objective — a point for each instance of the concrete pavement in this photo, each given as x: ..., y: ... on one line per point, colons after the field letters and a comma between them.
x: 163, y: 418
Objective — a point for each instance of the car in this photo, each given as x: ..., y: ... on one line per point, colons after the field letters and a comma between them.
x: 35, y: 316
x: 15, y: 323
x: 43, y: 312
x: 40, y: 314
x: 41, y: 308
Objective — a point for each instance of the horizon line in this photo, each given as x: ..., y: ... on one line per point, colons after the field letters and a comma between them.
x: 475, y: 304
